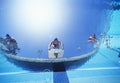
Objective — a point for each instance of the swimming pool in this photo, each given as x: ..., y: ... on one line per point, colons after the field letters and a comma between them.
x: 104, y: 66
x: 77, y: 21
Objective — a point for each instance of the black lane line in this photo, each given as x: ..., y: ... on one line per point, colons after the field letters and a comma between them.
x: 59, y: 73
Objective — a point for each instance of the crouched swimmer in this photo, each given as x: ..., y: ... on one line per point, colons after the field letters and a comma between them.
x: 55, y: 44
x: 56, y: 49
x: 11, y: 44
x: 92, y: 38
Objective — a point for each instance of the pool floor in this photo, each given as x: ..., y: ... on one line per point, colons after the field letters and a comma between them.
x: 103, y: 67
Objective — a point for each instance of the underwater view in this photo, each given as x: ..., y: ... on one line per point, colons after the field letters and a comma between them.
x: 59, y: 41
x: 34, y: 24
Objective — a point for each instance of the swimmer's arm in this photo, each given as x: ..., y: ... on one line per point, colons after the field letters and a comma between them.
x: 49, y: 46
x: 62, y: 45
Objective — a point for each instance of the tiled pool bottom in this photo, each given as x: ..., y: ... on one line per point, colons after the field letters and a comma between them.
x: 102, y: 79
x: 103, y: 67
x: 40, y: 78
x: 77, y: 76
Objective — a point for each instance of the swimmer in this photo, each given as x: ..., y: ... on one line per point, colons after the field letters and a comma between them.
x: 55, y: 44
x: 11, y: 44
x: 92, y: 38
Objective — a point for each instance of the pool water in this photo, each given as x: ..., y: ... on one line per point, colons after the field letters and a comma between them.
x: 77, y: 21
x: 102, y: 67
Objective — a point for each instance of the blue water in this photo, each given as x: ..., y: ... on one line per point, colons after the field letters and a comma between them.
x: 103, y: 67
x: 84, y: 19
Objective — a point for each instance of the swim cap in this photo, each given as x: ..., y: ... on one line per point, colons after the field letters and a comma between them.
x: 55, y: 39
x: 7, y: 35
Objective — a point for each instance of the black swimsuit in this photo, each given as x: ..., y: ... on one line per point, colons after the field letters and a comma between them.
x: 56, y: 44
